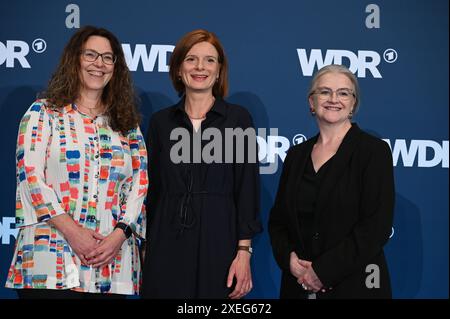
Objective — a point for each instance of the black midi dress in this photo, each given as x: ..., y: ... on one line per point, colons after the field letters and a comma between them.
x: 197, y: 210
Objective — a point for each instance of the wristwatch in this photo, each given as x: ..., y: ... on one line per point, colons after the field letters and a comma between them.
x: 125, y: 228
x: 248, y: 249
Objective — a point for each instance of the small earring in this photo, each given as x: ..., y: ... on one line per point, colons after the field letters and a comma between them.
x: 350, y: 115
x: 313, y: 113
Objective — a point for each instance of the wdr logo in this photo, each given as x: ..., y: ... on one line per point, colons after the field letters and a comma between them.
x: 15, y: 50
x: 428, y: 153
x: 360, y: 62
x: 148, y: 58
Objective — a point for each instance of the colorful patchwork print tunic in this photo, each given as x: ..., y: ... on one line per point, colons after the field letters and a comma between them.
x: 69, y: 163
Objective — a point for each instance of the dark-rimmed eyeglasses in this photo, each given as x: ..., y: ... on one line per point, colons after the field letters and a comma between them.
x: 92, y: 56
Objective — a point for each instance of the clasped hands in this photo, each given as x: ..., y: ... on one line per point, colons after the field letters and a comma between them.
x: 303, y: 271
x: 94, y: 249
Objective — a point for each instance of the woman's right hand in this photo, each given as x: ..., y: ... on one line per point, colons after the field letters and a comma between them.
x: 83, y: 241
x: 303, y: 271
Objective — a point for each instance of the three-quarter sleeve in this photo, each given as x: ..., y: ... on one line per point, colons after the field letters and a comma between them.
x: 373, y: 229
x: 247, y: 185
x: 133, y: 211
x: 36, y: 201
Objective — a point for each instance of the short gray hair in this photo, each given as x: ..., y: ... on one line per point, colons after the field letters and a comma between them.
x: 336, y: 68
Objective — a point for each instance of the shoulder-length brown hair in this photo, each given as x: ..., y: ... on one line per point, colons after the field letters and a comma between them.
x: 220, y: 88
x: 118, y: 96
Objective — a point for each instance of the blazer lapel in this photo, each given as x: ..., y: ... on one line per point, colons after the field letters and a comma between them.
x: 297, y: 178
x: 337, y: 167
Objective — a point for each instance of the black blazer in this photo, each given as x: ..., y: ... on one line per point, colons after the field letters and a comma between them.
x: 353, y: 218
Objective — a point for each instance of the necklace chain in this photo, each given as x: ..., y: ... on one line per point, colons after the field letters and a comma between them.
x: 197, y: 118
x: 202, y: 117
x: 88, y: 110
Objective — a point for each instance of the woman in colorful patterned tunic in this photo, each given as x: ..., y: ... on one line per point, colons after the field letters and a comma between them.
x: 81, y: 179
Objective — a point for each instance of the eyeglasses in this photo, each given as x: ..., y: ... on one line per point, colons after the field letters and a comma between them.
x: 92, y: 56
x: 343, y: 95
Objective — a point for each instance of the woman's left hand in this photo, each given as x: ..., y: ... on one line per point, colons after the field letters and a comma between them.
x: 309, y: 278
x: 240, y: 268
x: 107, y: 250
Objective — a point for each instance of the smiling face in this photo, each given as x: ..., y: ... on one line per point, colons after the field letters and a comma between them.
x: 95, y: 75
x: 200, y: 68
x: 331, y: 108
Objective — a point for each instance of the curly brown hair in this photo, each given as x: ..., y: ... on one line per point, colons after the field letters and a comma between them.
x: 118, y: 95
x: 220, y: 88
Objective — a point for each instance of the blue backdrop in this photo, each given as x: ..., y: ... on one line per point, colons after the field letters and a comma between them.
x: 398, y: 49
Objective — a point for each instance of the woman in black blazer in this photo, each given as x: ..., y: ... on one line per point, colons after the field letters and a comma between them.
x: 334, y: 207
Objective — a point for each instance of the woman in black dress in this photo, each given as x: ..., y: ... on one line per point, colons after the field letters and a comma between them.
x: 334, y: 207
x: 203, y: 208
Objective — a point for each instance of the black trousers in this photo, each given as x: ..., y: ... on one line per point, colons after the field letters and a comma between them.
x: 64, y: 294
